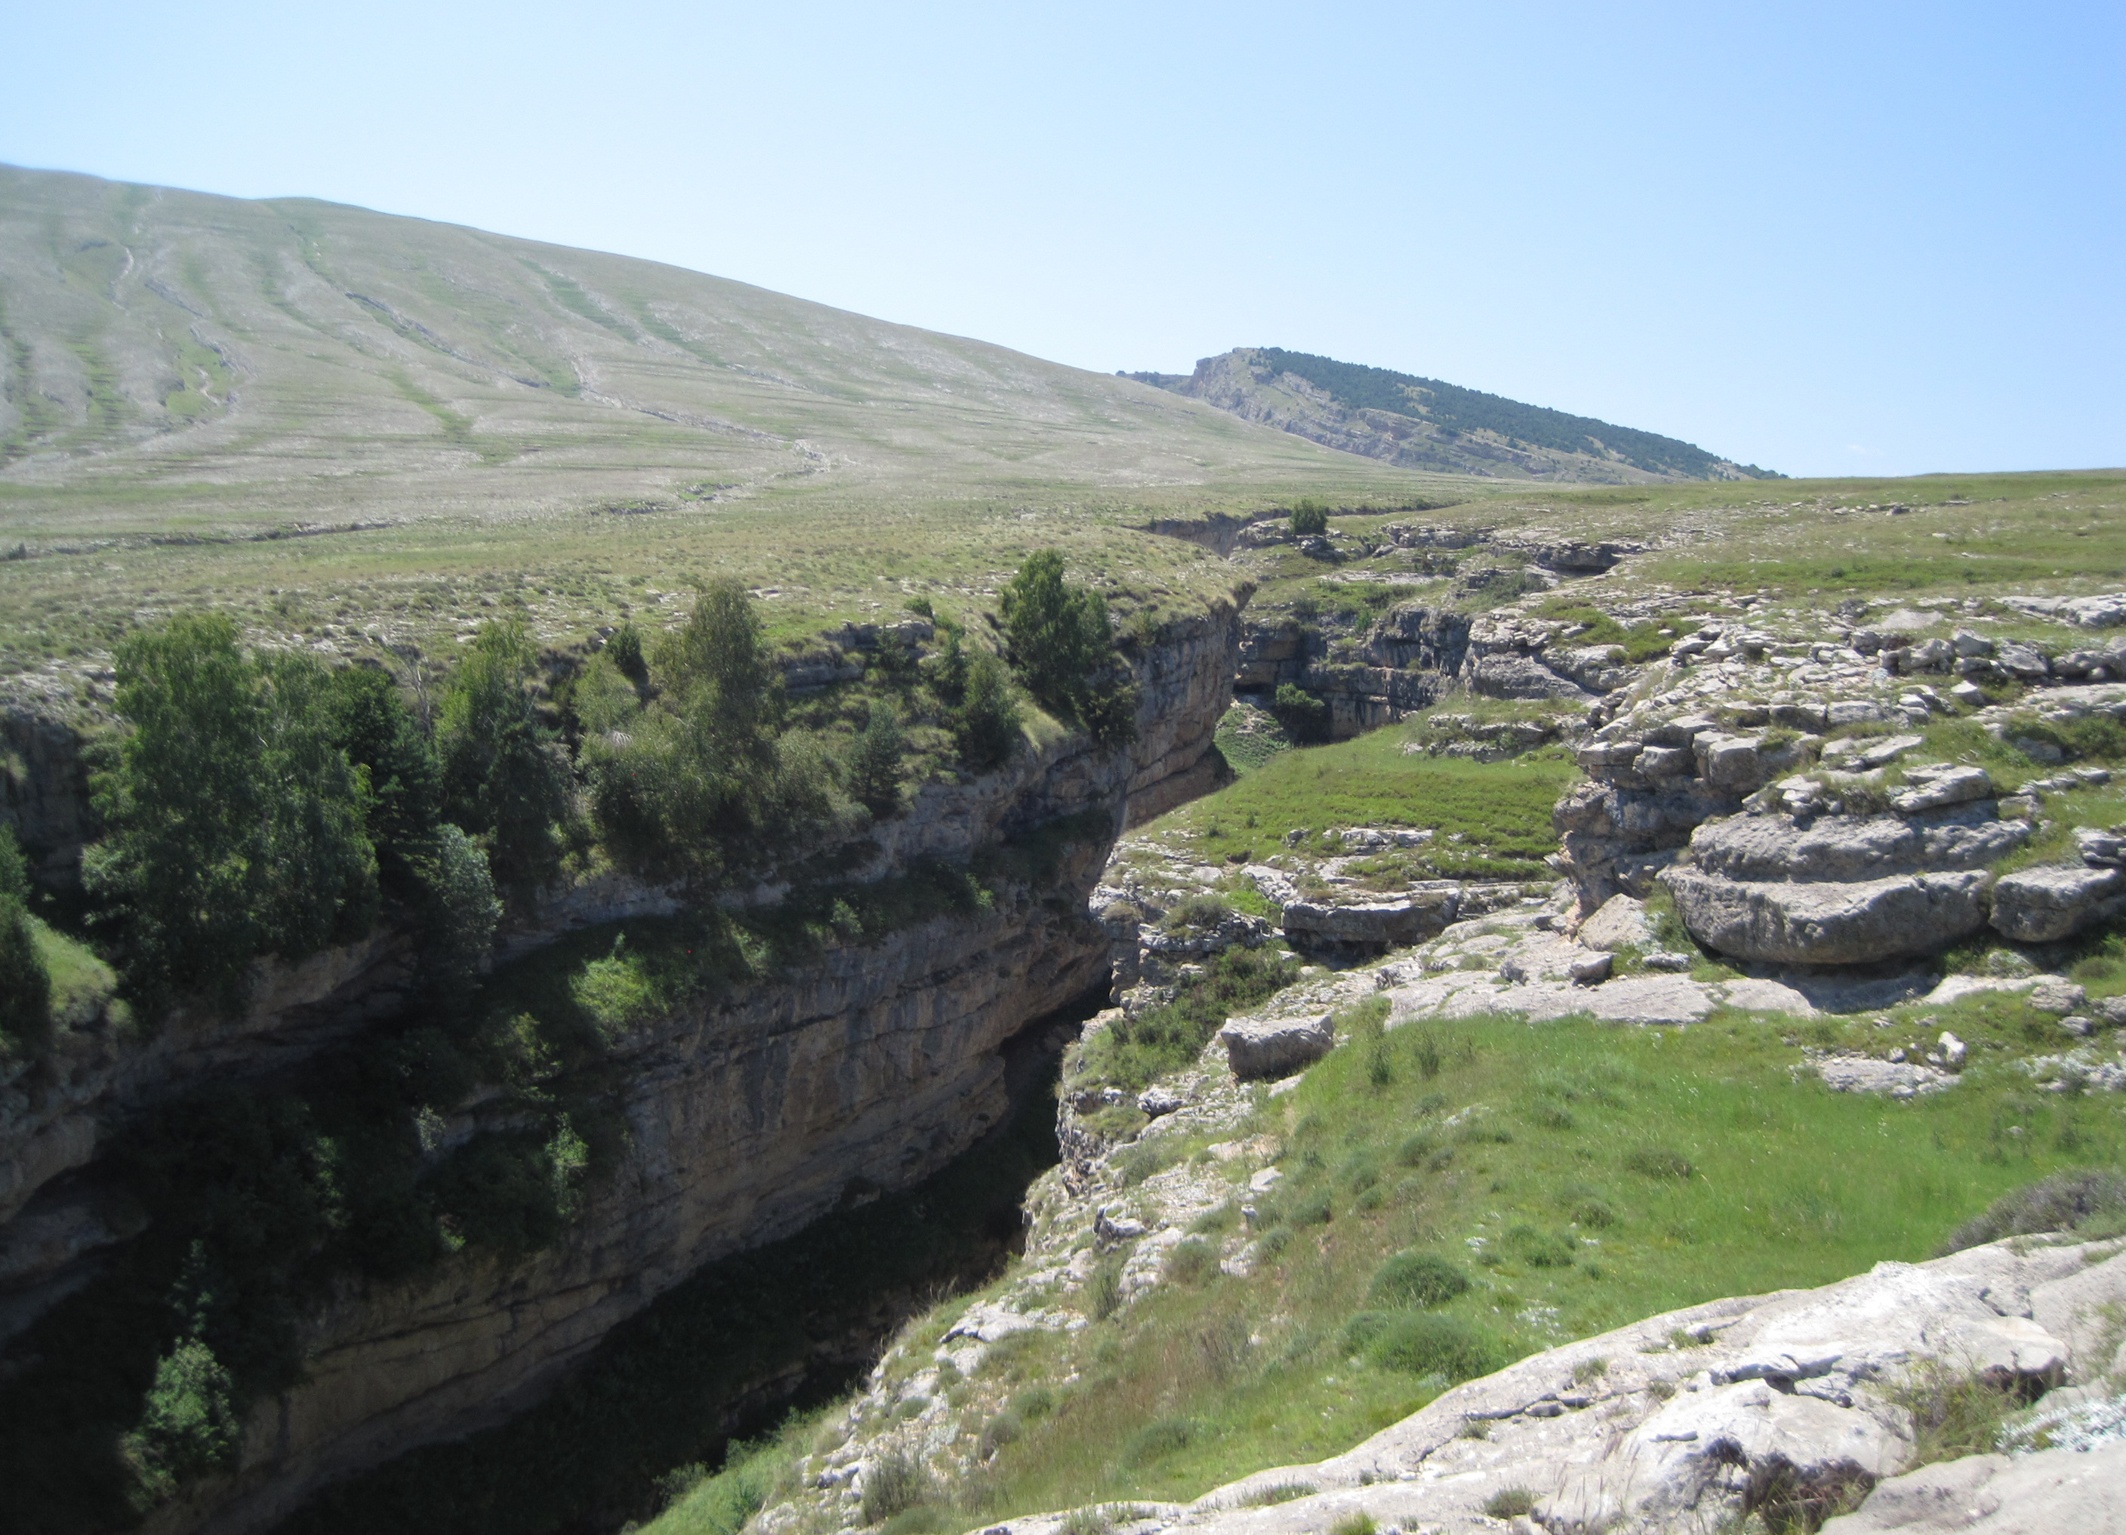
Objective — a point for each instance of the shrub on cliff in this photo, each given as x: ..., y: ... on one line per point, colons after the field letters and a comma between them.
x: 702, y: 785
x: 504, y: 779
x: 1309, y: 517
x: 189, y: 1425
x: 1304, y: 717
x: 25, y: 987
x: 875, y: 761
x: 985, y: 725
x: 1062, y: 648
x: 237, y: 824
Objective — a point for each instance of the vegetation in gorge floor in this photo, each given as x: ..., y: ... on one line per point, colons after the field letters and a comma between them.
x: 1489, y: 820
x: 1575, y: 1175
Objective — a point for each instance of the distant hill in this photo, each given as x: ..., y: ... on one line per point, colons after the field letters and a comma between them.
x: 169, y: 354
x: 1422, y: 423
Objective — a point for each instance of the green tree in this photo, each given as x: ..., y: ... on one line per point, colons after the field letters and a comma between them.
x: 189, y: 1424
x: 460, y: 910
x: 237, y: 825
x: 372, y: 723
x: 624, y: 649
x: 875, y: 761
x: 1062, y: 648
x: 985, y: 726
x: 1057, y: 633
x: 314, y: 880
x: 1309, y: 517
x: 504, y: 781
x: 703, y: 787
x: 25, y: 985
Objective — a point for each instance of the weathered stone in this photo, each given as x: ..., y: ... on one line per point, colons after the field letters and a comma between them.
x: 2058, y: 997
x: 2046, y: 904
x: 1662, y: 762
x: 1854, y: 847
x: 1732, y: 762
x: 1620, y: 923
x: 1933, y: 788
x: 1866, y: 1074
x: 2057, y: 1490
x: 1829, y: 922
x: 1262, y: 1048
x: 2024, y: 661
x: 1591, y: 970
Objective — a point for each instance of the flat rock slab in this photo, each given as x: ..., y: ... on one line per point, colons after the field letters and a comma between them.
x: 1829, y: 922
x: 2053, y: 1492
x: 1847, y: 848
x: 1866, y: 1074
x: 1259, y: 1049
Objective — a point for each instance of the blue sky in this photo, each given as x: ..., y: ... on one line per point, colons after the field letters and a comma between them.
x: 1831, y: 239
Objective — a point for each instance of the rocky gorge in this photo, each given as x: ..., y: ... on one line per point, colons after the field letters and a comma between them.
x: 743, y: 1113
x: 1769, y: 823
x: 1771, y: 826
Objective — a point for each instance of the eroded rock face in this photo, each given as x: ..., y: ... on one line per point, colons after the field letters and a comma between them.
x: 1829, y: 922
x: 2046, y: 904
x: 749, y: 1113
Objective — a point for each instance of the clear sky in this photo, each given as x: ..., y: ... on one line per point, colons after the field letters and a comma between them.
x: 1828, y: 238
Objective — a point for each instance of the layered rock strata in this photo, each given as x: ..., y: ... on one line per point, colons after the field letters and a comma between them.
x: 748, y: 1113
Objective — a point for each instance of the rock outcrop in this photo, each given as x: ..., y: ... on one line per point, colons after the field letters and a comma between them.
x: 748, y: 1115
x: 748, y: 1112
x: 1779, y: 1405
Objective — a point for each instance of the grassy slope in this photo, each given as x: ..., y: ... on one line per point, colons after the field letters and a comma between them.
x: 1770, y: 1203
x: 1492, y: 819
x: 529, y: 421
x: 1537, y: 1195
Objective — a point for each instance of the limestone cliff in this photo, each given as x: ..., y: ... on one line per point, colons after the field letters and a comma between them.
x: 746, y: 1112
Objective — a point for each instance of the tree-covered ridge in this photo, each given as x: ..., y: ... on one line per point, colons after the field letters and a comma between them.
x: 1456, y: 409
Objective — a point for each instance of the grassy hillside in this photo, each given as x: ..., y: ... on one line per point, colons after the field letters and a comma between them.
x: 186, y: 381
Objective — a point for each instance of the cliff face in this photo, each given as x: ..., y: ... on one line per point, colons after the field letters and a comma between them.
x: 747, y: 1116
x: 1407, y: 660
x: 747, y: 1113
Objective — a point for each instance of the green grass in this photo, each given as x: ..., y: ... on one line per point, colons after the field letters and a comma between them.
x: 82, y: 984
x: 1492, y: 820
x: 1248, y: 737
x: 1563, y: 1199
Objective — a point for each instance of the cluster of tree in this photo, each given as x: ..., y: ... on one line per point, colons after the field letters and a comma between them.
x: 1309, y: 516
x: 1063, y: 649
x: 271, y: 805
x: 266, y: 804
x: 25, y: 987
